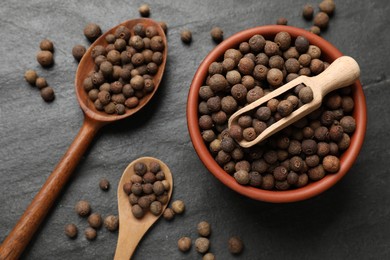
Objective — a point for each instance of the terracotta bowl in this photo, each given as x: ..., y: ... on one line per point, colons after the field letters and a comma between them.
x: 329, y: 53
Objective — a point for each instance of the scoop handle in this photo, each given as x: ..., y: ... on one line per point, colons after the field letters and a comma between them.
x: 21, y: 234
x: 341, y: 73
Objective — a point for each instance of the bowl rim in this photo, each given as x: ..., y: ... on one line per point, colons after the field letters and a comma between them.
x: 312, y: 189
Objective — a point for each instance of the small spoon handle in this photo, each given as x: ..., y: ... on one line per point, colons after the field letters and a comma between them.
x: 21, y: 234
x: 128, y: 240
x: 342, y: 72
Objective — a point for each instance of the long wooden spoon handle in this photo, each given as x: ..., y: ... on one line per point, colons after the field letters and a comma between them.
x: 20, y: 236
x: 341, y: 73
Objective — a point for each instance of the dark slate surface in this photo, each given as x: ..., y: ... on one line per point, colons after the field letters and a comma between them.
x: 350, y: 221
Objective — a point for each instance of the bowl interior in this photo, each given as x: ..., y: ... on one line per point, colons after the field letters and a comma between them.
x: 329, y: 53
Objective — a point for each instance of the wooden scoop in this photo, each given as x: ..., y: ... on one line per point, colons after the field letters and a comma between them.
x: 341, y: 73
x: 131, y: 229
x: 28, y: 224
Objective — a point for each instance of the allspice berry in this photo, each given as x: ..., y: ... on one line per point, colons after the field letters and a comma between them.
x: 41, y: 83
x: 216, y: 34
x: 308, y: 12
x: 209, y: 256
x: 90, y: 233
x: 45, y: 58
x: 202, y: 245
x: 204, y: 229
x: 111, y: 222
x: 31, y: 76
x: 104, y: 184
x: 47, y: 93
x: 144, y: 10
x: 78, y: 52
x: 95, y: 220
x: 83, y: 208
x: 71, y: 230
x: 281, y: 21
x: 235, y: 245
x: 331, y: 163
x: 168, y: 214
x: 186, y: 36
x: 46, y: 45
x: 321, y: 20
x: 178, y: 206
x: 184, y: 244
x: 92, y: 31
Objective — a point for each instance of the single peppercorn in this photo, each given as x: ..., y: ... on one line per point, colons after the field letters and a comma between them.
x: 156, y: 208
x: 41, y: 83
x: 184, y: 244
x: 31, y: 76
x: 281, y: 21
x: 78, y: 52
x: 46, y: 45
x: 216, y: 34
x: 71, y: 231
x: 275, y: 77
x: 186, y: 36
x: 47, y: 94
x: 321, y: 20
x: 95, y: 220
x: 202, y: 245
x: 45, y: 58
x: 203, y: 229
x: 144, y: 10
x: 83, y: 208
x: 235, y: 245
x: 331, y: 163
x: 285, y: 108
x: 111, y: 223
x: 328, y: 7
x: 348, y: 124
x: 242, y: 177
x: 92, y: 31
x: 168, y: 214
x: 178, y: 206
x: 104, y: 184
x: 315, y: 29
x: 90, y: 233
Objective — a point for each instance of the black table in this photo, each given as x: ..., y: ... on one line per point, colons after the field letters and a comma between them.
x: 349, y: 221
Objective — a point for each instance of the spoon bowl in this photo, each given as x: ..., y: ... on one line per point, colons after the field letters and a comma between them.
x: 14, y: 244
x: 87, y: 65
x: 132, y: 229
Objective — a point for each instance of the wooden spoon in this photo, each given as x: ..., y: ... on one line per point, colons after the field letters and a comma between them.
x: 343, y: 72
x: 17, y: 240
x: 131, y: 229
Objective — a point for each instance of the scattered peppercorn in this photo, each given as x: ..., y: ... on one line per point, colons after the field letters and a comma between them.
x: 308, y: 12
x: 144, y: 10
x: 235, y: 245
x: 71, y: 231
x: 186, y: 36
x: 31, y: 76
x: 202, y: 245
x: 184, y: 244
x: 45, y: 58
x: 204, y: 229
x: 47, y: 94
x: 92, y: 31
x: 281, y: 21
x: 95, y: 220
x: 168, y: 214
x: 104, y: 184
x: 90, y: 233
x: 83, y: 208
x: 216, y: 34
x: 178, y: 206
x: 46, y: 45
x: 111, y: 223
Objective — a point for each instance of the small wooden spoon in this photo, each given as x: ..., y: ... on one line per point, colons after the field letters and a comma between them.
x: 343, y: 72
x: 131, y: 229
x: 20, y: 236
